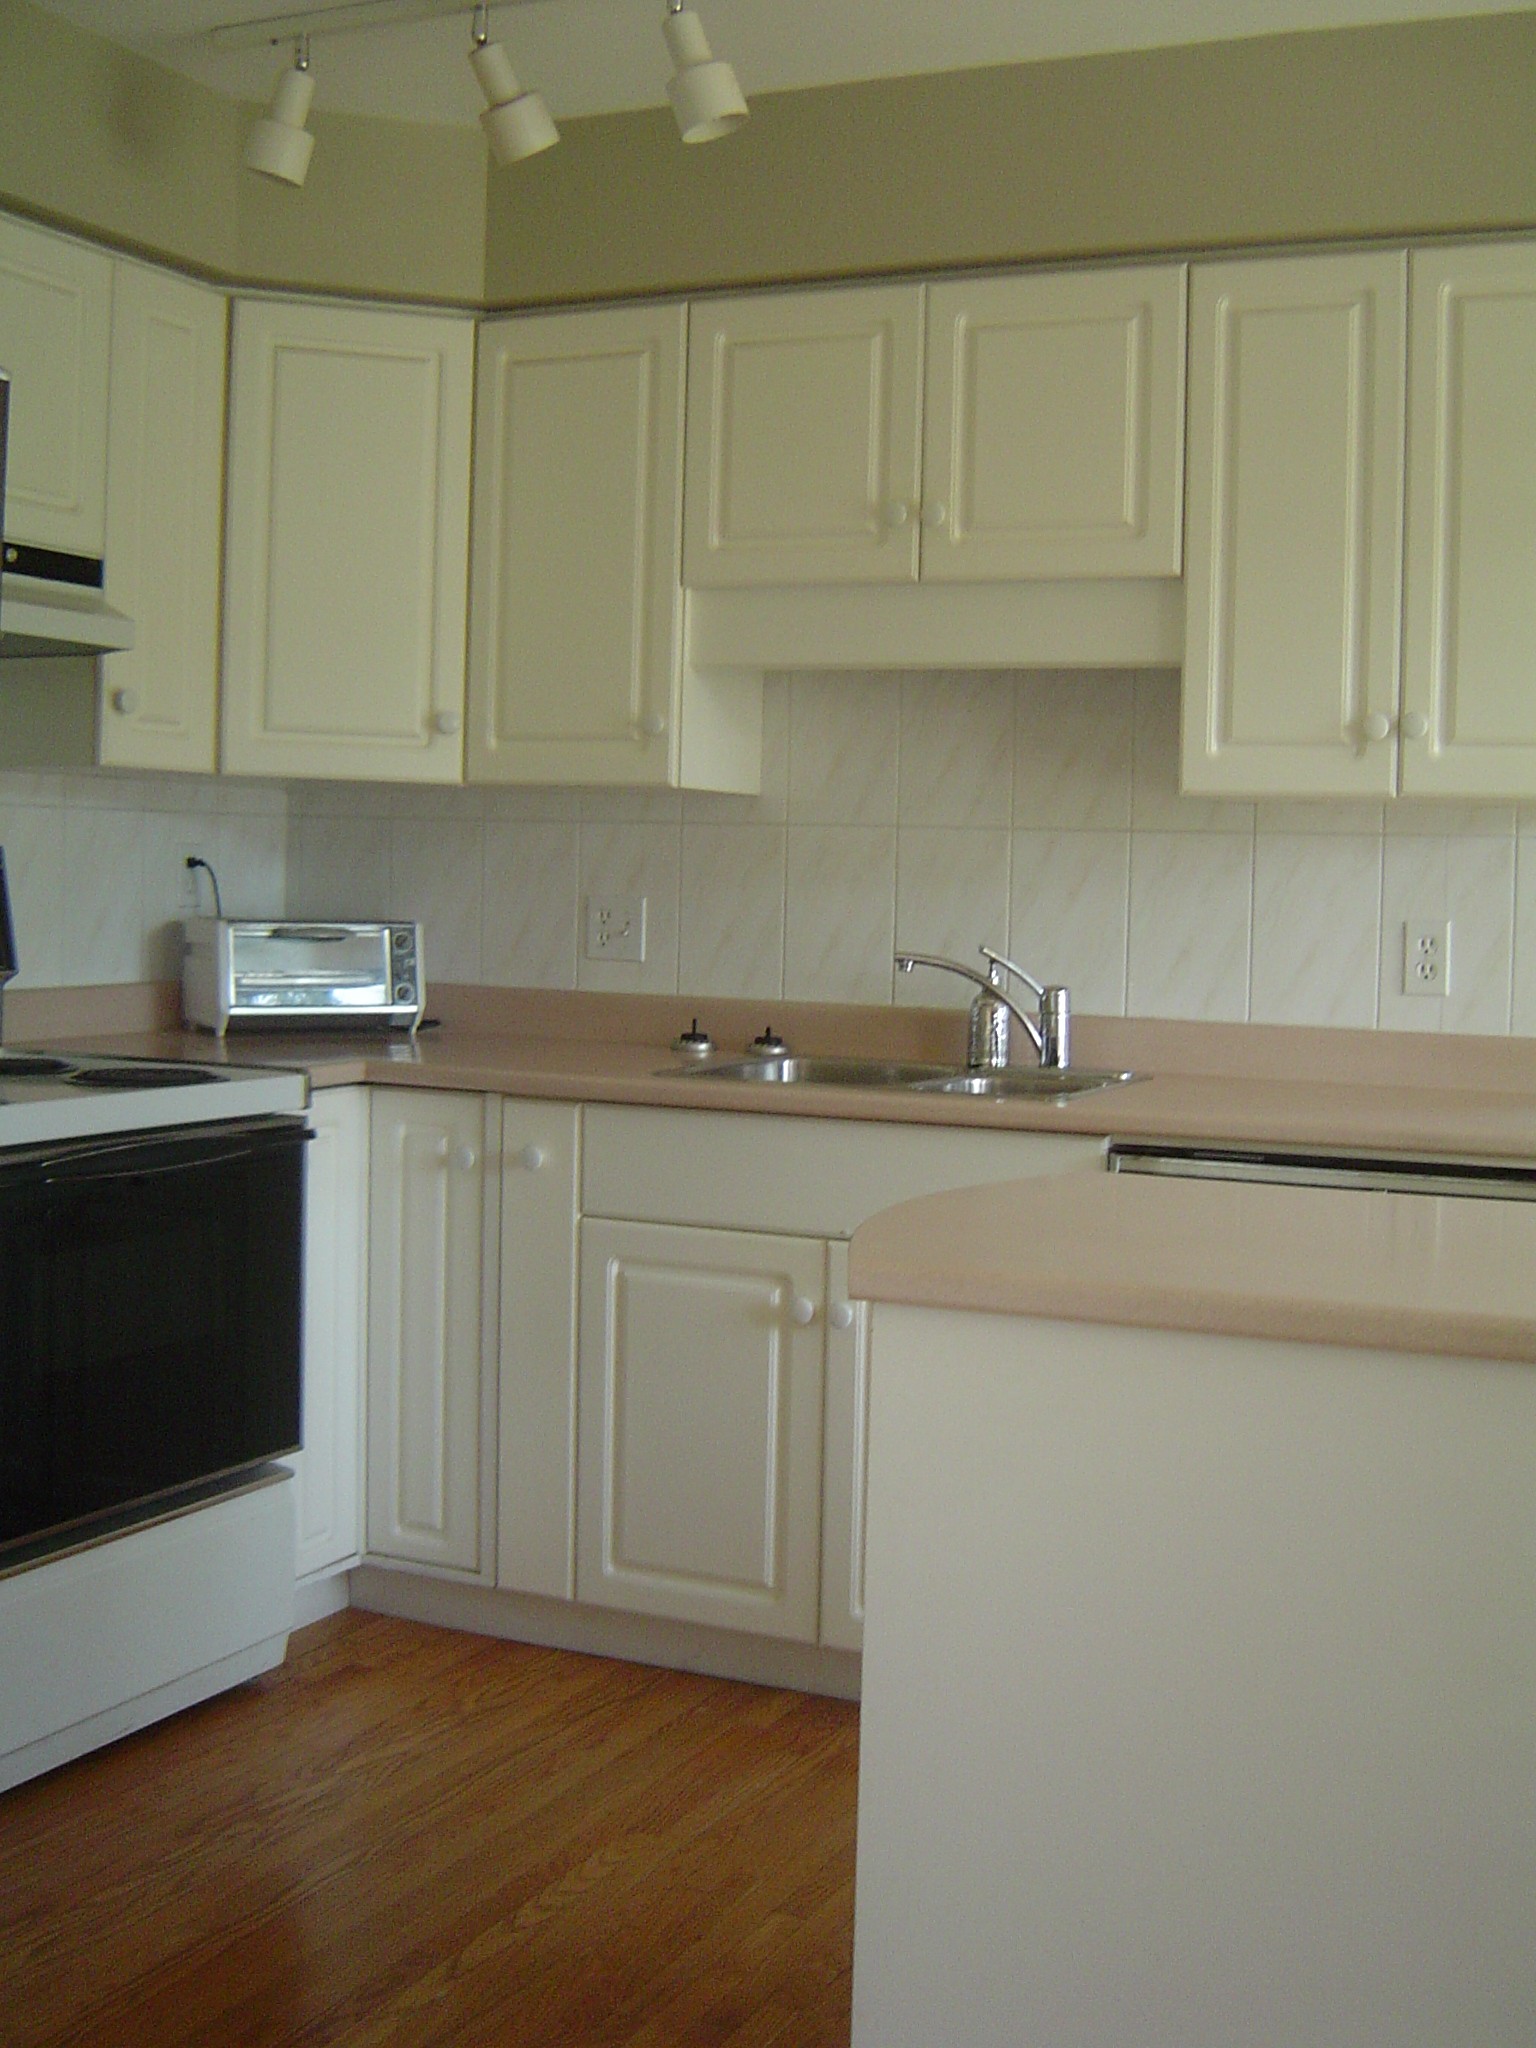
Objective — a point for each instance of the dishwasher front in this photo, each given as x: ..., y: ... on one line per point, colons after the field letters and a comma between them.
x: 1317, y: 1167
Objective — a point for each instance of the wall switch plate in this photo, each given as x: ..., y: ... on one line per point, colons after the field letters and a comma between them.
x: 615, y: 928
x: 1427, y: 957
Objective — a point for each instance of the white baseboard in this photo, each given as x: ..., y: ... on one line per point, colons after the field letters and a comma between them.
x: 322, y: 1594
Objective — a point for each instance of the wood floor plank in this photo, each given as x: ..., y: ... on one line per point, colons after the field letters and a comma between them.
x: 407, y: 1836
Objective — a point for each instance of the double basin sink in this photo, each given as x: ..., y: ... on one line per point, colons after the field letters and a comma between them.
x: 1031, y: 1084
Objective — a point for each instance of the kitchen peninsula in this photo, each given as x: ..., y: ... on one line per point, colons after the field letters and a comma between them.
x: 1200, y: 1680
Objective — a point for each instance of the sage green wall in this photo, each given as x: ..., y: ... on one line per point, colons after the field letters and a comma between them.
x: 97, y: 138
x: 1410, y: 130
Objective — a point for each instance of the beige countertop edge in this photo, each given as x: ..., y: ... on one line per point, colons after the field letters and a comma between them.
x: 1308, y: 1265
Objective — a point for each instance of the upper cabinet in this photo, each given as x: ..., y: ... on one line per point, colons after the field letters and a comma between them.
x: 1326, y: 653
x: 165, y: 480
x: 1469, y: 649
x: 579, y: 668
x: 988, y: 430
x: 347, y: 543
x: 55, y: 332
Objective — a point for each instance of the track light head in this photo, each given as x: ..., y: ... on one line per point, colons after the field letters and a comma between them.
x: 279, y: 145
x: 517, y: 124
x: 706, y: 99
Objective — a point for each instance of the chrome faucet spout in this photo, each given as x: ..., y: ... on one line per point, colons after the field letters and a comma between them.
x: 992, y: 1007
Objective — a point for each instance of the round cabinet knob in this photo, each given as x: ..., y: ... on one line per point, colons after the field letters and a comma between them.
x: 896, y: 513
x: 1376, y: 725
x: 935, y: 515
x: 126, y: 701
x: 652, y: 724
x: 532, y: 1157
x: 841, y: 1316
x: 447, y: 723
x: 465, y: 1158
x: 1414, y: 726
x: 802, y: 1310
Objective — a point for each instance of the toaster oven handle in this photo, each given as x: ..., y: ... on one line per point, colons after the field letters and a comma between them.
x: 325, y: 934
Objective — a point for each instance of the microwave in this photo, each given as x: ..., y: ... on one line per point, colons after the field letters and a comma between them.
x: 297, y: 973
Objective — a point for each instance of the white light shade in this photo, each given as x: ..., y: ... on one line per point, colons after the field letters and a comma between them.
x: 279, y: 145
x: 705, y: 97
x: 516, y: 123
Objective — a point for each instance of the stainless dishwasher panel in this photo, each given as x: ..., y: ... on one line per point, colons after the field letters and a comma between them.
x: 1510, y: 1180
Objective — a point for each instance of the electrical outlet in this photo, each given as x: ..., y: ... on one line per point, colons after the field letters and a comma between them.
x: 191, y: 883
x: 616, y: 928
x: 1427, y: 957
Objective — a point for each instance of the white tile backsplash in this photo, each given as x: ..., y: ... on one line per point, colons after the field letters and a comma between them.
x: 1037, y: 812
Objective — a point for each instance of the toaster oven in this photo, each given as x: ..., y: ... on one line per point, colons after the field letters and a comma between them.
x: 296, y: 973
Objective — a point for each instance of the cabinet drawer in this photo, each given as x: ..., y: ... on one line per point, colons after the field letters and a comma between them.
x: 818, y: 1177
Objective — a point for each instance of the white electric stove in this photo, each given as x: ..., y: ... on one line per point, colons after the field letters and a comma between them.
x: 51, y: 1096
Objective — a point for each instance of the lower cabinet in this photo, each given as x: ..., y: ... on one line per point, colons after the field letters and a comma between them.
x: 844, y: 1459
x: 328, y: 1471
x: 431, y: 1491
x: 700, y: 1432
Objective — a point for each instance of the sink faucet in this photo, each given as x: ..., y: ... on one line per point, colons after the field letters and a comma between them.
x: 1050, y: 1031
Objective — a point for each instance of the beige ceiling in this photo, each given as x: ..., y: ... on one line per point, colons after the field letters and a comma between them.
x: 592, y: 56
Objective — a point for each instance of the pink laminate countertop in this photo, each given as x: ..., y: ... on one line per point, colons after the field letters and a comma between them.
x: 1397, y: 1272
x: 1475, y: 1122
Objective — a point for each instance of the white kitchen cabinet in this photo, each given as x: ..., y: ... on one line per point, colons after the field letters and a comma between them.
x: 845, y: 1459
x: 431, y: 1263
x: 536, y: 1353
x: 1469, y: 651
x: 347, y: 542
x: 989, y: 430
x: 579, y: 668
x: 329, y: 1468
x: 1293, y: 562
x: 55, y: 333
x: 165, y: 483
x: 700, y: 1432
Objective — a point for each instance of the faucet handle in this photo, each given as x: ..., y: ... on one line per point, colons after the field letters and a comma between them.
x: 1002, y: 960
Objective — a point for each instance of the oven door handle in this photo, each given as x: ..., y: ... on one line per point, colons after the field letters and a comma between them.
x: 88, y: 1174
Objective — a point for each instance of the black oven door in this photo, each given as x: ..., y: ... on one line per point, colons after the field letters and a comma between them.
x: 150, y: 1321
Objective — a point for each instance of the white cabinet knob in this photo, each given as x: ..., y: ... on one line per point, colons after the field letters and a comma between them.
x: 935, y: 514
x: 841, y: 1316
x: 652, y: 724
x: 896, y: 513
x: 126, y: 701
x: 1414, y: 725
x: 447, y: 723
x: 532, y: 1157
x: 465, y: 1158
x: 1376, y: 725
x: 802, y: 1310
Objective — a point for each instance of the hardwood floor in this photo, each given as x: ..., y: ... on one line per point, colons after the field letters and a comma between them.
x: 412, y: 1836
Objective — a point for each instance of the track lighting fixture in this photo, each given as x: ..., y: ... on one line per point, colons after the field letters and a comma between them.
x: 279, y: 145
x: 516, y: 123
x: 705, y: 97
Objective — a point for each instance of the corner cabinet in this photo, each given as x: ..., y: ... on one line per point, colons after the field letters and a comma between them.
x: 165, y: 479
x: 579, y: 668
x: 347, y: 542
x: 991, y: 430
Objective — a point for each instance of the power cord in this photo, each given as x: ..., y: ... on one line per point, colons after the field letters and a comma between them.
x: 194, y: 861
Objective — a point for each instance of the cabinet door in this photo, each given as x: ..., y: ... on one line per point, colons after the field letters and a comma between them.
x: 700, y: 1426
x: 1293, y: 570
x: 1469, y: 657
x: 1293, y: 561
x: 55, y: 329
x: 803, y: 438
x: 536, y: 1463
x: 348, y: 537
x: 845, y: 1463
x: 577, y: 610
x: 329, y: 1468
x: 429, y: 1498
x: 165, y: 483
x: 1053, y: 426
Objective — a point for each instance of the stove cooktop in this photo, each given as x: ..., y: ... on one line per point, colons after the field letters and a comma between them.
x: 63, y: 1095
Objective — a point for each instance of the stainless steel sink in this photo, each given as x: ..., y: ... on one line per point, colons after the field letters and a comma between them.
x: 1027, y: 1084
x: 826, y: 1070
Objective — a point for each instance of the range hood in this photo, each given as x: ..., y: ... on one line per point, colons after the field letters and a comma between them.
x: 52, y: 603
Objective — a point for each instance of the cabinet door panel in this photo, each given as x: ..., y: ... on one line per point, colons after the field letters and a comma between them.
x: 426, y: 1487
x: 1053, y: 426
x: 55, y: 330
x: 165, y: 486
x: 1293, y: 573
x: 1470, y: 648
x: 803, y: 438
x: 348, y: 543
x: 701, y: 1402
x: 845, y: 1463
x: 329, y: 1468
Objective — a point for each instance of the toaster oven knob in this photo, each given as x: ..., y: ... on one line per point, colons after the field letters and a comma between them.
x: 404, y: 993
x: 402, y: 938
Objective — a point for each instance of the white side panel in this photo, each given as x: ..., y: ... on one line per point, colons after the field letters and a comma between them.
x: 55, y: 330
x: 845, y: 1460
